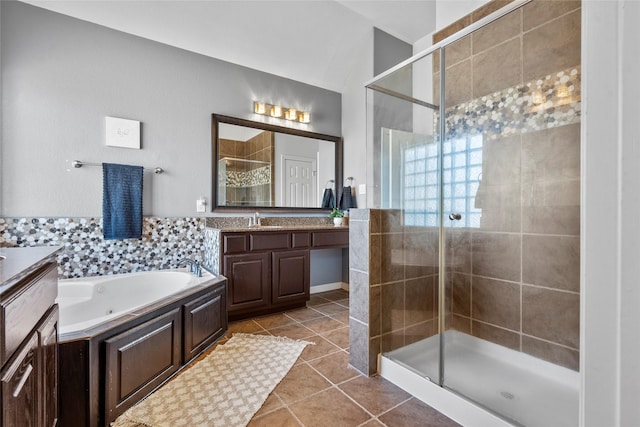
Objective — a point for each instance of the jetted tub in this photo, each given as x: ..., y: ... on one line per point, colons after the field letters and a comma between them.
x: 87, y: 302
x: 123, y: 336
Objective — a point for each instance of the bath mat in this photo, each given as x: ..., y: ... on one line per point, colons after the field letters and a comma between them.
x: 226, y: 388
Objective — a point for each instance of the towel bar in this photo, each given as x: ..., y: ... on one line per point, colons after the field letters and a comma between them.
x: 79, y: 164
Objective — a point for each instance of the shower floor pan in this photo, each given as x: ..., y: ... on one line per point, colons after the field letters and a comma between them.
x: 524, y: 390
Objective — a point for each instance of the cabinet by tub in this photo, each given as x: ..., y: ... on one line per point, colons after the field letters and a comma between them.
x: 268, y: 270
x: 28, y: 344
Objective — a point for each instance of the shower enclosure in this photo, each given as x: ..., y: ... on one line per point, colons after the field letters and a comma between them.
x: 476, y: 151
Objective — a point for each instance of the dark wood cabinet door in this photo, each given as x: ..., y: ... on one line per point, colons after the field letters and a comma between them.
x: 205, y: 320
x: 20, y: 386
x: 290, y: 280
x: 48, y: 346
x: 248, y: 281
x: 139, y: 360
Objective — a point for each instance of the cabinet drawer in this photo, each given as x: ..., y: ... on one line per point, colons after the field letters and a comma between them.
x: 269, y: 241
x: 234, y: 243
x: 330, y: 239
x: 22, y: 311
x: 20, y: 386
x: 300, y: 240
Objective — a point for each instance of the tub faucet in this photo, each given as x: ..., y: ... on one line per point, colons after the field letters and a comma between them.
x: 194, y: 266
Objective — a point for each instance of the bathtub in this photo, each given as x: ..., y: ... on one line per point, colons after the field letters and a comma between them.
x: 87, y: 302
x: 123, y: 336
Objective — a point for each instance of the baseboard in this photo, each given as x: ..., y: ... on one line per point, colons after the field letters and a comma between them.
x: 328, y: 287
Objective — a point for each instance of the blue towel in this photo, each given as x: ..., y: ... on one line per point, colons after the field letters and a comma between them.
x: 121, y: 201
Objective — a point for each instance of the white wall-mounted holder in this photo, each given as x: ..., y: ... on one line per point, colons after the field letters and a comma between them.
x: 122, y: 133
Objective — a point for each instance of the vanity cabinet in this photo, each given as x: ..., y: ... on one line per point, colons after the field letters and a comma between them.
x: 28, y: 344
x: 289, y: 277
x: 248, y: 281
x: 269, y: 270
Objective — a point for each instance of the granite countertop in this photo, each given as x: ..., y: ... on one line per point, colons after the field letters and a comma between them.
x: 15, y: 262
x: 292, y: 227
x: 241, y: 224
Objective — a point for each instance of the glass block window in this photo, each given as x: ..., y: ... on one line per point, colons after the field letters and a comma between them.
x: 462, y: 172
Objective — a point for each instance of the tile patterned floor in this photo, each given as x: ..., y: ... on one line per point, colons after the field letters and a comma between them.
x: 321, y: 389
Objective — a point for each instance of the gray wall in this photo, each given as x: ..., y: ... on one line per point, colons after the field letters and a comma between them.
x: 388, y: 51
x: 62, y: 76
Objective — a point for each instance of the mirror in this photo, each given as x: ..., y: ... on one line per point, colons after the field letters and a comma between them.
x: 263, y: 166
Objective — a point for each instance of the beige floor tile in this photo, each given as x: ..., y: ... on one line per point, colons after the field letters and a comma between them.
x: 301, y: 381
x: 294, y: 331
x: 243, y: 326
x: 343, y: 302
x: 339, y: 337
x: 415, y: 413
x: 304, y: 314
x: 329, y: 408
x: 324, y: 324
x: 337, y: 295
x: 272, y: 403
x: 280, y: 418
x: 341, y: 317
x: 304, y: 398
x: 335, y: 367
x: 321, y: 347
x: 316, y: 300
x: 273, y: 321
x: 331, y: 308
x: 372, y: 423
x: 375, y: 394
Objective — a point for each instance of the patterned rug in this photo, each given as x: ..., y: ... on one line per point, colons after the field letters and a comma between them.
x: 226, y: 388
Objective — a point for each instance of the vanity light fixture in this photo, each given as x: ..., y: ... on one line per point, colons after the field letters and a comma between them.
x: 291, y: 114
x: 304, y: 117
x: 275, y: 111
x: 260, y: 108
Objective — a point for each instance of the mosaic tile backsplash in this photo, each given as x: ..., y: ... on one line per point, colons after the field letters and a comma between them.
x: 164, y: 242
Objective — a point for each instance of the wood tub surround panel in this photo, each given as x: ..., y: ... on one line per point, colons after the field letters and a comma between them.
x: 105, y: 373
x: 203, y: 322
x: 141, y: 359
x: 272, y: 273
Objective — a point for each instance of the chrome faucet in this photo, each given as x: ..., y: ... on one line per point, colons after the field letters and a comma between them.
x: 194, y: 266
x: 256, y: 219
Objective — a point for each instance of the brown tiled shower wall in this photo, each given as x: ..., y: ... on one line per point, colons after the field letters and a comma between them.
x: 262, y: 148
x: 515, y: 279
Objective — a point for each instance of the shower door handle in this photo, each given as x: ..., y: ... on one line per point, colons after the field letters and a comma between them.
x: 455, y: 216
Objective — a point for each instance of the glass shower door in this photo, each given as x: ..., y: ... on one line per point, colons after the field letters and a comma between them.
x: 406, y: 136
x: 510, y: 175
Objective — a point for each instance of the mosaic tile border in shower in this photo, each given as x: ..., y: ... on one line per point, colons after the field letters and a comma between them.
x: 548, y: 102
x: 164, y: 242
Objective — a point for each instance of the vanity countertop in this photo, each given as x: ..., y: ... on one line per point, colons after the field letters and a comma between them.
x: 15, y: 262
x: 267, y: 228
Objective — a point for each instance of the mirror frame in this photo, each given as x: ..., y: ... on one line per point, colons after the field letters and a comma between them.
x: 216, y: 119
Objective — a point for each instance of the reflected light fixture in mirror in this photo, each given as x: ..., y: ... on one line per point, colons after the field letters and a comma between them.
x: 291, y: 114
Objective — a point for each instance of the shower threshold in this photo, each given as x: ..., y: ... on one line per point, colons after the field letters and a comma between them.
x: 483, y: 379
